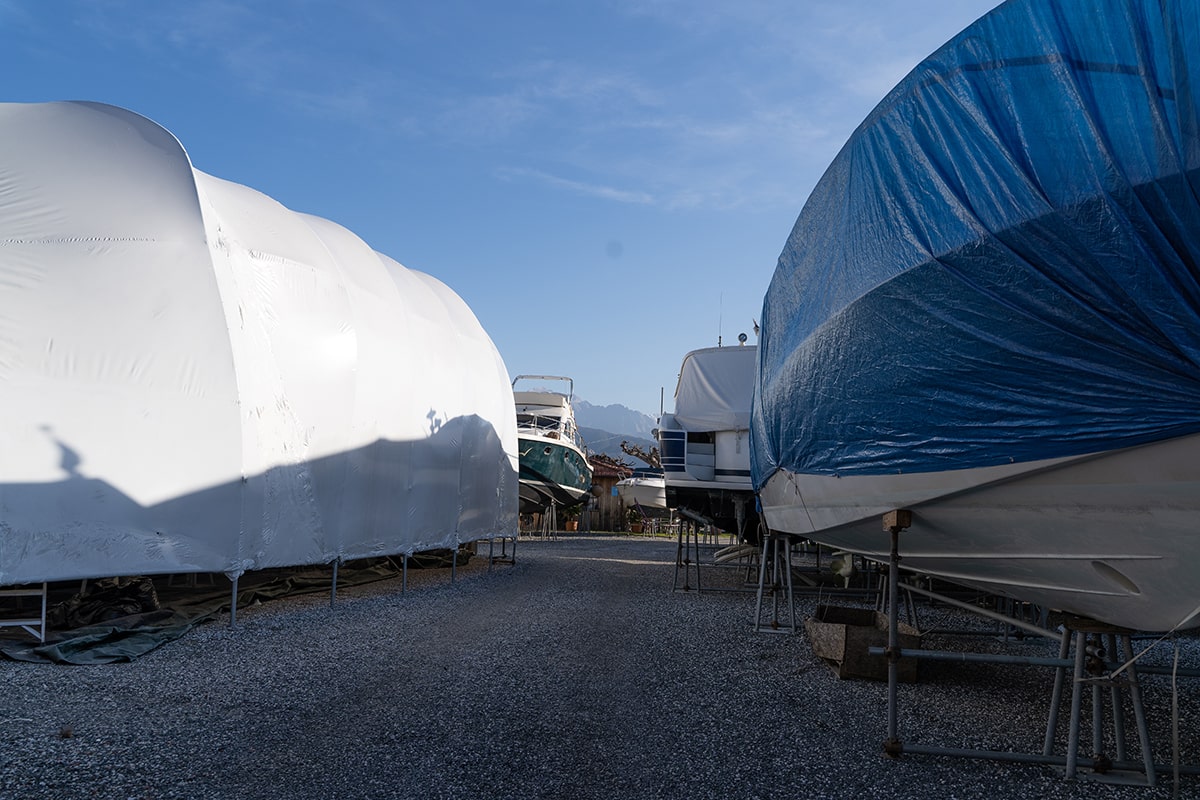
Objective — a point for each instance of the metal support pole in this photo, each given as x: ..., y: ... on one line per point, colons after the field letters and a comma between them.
x: 696, y: 530
x: 910, y: 607
x: 42, y: 629
x: 975, y: 658
x: 777, y: 579
x: 1139, y: 711
x: 404, y: 576
x: 1076, y: 703
x: 778, y: 583
x: 787, y: 579
x: 688, y: 532
x: 453, y: 564
x: 983, y: 612
x: 1097, y: 723
x: 679, y: 559
x: 893, y: 746
x: 1116, y: 699
x: 233, y: 603
x: 333, y: 585
x: 1060, y: 674
x: 762, y: 579
x: 783, y: 578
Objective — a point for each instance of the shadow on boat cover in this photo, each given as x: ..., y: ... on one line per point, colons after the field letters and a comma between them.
x: 117, y: 620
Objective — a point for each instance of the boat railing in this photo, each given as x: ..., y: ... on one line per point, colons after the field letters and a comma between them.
x: 552, y: 427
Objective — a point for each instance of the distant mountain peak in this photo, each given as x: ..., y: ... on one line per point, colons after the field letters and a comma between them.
x: 614, y: 418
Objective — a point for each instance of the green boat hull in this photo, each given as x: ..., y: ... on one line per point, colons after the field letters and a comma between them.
x: 551, y: 472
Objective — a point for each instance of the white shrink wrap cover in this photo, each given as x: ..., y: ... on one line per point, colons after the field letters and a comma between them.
x: 194, y: 378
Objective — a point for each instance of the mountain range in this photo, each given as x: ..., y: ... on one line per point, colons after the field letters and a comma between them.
x: 616, y: 418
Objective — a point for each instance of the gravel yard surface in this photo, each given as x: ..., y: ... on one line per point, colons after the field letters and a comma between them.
x: 575, y: 673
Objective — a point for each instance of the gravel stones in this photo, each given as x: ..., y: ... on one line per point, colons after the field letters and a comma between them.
x: 576, y: 672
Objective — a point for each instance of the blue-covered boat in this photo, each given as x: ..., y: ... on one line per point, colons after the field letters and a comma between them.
x: 988, y: 312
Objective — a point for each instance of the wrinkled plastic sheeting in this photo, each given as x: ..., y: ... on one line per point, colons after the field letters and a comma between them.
x: 197, y: 379
x: 1001, y: 264
x: 714, y: 389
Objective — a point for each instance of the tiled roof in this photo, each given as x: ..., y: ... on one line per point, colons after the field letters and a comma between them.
x: 606, y: 467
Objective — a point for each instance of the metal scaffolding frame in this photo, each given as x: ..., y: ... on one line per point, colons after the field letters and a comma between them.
x: 1093, y: 654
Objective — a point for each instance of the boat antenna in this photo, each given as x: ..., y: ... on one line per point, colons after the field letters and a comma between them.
x: 720, y: 315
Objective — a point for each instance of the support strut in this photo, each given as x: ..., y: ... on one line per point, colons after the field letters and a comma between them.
x: 894, y: 522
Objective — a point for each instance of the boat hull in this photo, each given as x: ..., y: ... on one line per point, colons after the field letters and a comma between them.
x: 646, y: 492
x: 1112, y: 536
x: 551, y: 471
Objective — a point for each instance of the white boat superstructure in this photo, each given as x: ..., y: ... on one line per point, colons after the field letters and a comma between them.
x: 704, y: 444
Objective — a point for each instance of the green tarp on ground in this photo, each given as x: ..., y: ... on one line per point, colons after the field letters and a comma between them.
x: 126, y: 637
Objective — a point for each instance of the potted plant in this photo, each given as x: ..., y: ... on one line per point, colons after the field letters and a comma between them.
x: 571, y: 518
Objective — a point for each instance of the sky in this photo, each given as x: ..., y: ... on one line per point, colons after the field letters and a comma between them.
x: 607, y: 183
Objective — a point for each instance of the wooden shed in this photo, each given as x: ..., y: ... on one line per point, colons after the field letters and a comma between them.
x: 605, y: 510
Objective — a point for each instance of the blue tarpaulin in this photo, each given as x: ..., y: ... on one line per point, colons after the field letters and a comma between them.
x: 1003, y: 262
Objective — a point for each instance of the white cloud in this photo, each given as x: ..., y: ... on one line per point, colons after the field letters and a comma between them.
x: 578, y: 187
x: 737, y: 104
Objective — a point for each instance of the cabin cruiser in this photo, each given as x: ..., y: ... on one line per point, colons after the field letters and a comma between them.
x: 554, y: 469
x: 704, y: 443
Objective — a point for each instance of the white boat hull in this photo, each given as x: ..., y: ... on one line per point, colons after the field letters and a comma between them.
x: 646, y: 492
x: 1113, y: 536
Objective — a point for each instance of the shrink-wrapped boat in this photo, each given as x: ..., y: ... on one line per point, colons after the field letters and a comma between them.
x: 194, y: 378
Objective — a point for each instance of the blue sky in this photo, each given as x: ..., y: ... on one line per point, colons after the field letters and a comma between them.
x: 608, y: 183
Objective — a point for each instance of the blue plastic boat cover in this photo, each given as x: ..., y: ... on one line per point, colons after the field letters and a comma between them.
x: 1002, y: 263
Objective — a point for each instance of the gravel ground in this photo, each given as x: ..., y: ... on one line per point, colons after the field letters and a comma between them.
x: 574, y: 673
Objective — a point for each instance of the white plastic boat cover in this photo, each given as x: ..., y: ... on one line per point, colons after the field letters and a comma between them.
x: 195, y: 379
x: 715, y: 388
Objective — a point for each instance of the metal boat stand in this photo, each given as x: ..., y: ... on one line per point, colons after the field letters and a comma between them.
x: 776, y: 551
x: 233, y: 598
x: 337, y: 562
x: 883, y: 602
x: 1089, y: 665
x: 1089, y: 657
x: 549, y: 527
x: 505, y: 557
x: 35, y: 626
x: 687, y: 555
x: 1093, y: 641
